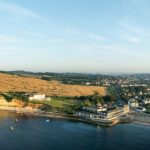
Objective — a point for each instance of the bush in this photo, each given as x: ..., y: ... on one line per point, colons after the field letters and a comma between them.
x: 20, y: 96
x: 7, y: 97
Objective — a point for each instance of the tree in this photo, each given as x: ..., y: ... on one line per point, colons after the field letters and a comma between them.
x: 109, y: 98
x: 97, y: 99
x: 86, y: 103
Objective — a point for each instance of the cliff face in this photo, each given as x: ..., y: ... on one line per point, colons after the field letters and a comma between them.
x: 19, y: 104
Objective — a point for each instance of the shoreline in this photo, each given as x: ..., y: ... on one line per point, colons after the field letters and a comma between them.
x: 146, y: 124
x: 56, y: 115
x: 140, y: 118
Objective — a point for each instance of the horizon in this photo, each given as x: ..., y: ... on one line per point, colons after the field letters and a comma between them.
x: 90, y: 73
x: 75, y: 36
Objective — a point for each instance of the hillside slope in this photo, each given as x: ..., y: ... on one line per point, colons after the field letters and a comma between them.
x: 12, y: 83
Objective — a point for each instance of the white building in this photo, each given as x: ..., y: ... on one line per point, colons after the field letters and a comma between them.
x: 38, y: 97
x: 133, y: 103
x: 146, y: 101
x: 88, y: 83
x: 91, y: 113
x: 94, y: 109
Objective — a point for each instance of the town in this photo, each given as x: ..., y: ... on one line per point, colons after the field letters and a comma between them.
x: 126, y: 96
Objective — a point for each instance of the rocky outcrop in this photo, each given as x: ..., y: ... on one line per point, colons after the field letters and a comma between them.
x: 15, y: 103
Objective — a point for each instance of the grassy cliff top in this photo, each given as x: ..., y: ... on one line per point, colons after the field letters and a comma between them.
x: 13, y: 83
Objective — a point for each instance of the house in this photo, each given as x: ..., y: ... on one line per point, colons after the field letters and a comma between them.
x: 133, y: 103
x: 38, y: 97
x: 94, y: 109
x: 106, y: 84
x: 146, y: 101
x: 87, y: 83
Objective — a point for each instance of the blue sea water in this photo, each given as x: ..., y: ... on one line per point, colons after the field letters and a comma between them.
x: 34, y: 133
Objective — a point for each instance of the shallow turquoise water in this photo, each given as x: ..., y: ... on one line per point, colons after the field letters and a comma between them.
x: 37, y: 134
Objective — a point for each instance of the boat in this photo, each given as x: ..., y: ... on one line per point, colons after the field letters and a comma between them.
x: 11, y: 128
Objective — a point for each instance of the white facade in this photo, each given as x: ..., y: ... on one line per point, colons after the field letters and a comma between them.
x: 88, y: 83
x: 94, y: 109
x: 99, y: 116
x: 133, y: 103
x: 101, y: 109
x: 38, y: 97
x: 146, y: 101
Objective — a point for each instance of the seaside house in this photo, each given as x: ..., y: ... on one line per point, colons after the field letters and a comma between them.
x: 38, y: 97
x: 146, y: 101
x: 133, y: 103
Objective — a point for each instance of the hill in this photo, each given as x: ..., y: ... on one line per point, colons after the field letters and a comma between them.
x: 66, y: 78
x: 14, y: 83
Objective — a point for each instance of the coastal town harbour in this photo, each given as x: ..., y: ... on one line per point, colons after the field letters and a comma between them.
x: 104, y: 115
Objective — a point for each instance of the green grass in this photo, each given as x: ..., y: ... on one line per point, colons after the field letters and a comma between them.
x: 55, y: 103
x: 62, y: 105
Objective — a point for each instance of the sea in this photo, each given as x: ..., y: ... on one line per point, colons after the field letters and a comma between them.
x: 20, y: 132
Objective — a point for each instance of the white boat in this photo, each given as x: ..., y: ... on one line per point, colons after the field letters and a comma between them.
x: 47, y: 120
x: 11, y: 128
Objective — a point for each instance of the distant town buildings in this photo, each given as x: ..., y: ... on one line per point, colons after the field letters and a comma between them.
x: 88, y: 83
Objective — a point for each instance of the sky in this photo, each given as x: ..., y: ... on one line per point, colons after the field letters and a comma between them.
x: 88, y: 36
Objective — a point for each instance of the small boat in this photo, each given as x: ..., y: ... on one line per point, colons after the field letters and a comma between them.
x: 11, y: 128
x: 47, y: 120
x: 16, y: 120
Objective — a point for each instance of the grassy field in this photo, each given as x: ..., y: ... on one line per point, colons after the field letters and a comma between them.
x: 13, y: 83
x: 62, y: 105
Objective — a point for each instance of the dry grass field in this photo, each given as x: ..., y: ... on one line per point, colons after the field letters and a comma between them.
x: 12, y: 83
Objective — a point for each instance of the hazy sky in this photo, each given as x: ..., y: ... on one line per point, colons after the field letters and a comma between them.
x: 75, y: 35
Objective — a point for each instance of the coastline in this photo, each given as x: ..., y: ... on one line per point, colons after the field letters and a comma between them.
x: 57, y: 115
x: 142, y: 121
x: 140, y: 118
x: 54, y: 115
x: 146, y: 124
